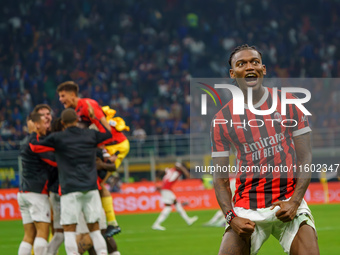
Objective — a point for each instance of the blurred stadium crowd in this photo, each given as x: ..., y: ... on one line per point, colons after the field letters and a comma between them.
x: 138, y: 56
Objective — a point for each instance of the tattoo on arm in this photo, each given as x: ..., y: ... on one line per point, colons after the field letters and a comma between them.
x: 304, y: 159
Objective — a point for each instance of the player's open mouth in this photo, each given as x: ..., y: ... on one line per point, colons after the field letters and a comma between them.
x: 251, y: 79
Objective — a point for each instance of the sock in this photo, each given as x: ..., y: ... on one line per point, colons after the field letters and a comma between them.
x: 181, y: 212
x: 40, y: 246
x: 216, y: 217
x: 99, y: 243
x: 163, y: 215
x: 115, y: 253
x: 109, y: 212
x: 25, y: 248
x: 71, y: 246
x: 56, y: 241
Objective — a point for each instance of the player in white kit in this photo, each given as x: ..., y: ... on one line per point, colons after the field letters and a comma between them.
x: 169, y: 198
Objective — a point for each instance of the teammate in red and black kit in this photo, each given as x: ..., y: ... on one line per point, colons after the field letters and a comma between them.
x: 265, y: 202
x: 87, y: 109
x: 169, y: 198
x: 75, y: 151
x: 53, y: 182
x: 33, y: 192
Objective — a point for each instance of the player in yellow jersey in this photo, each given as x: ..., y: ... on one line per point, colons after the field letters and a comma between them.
x: 118, y: 147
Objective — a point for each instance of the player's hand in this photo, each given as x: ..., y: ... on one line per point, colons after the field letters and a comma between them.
x: 90, y: 110
x: 99, y: 163
x: 287, y: 210
x: 243, y: 227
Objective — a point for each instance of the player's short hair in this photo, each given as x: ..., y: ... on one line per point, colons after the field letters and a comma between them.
x: 42, y: 106
x: 56, y: 125
x: 35, y: 117
x: 240, y: 48
x: 68, y: 116
x: 29, y: 117
x: 68, y: 86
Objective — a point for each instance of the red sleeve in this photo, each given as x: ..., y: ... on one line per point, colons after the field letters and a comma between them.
x: 220, y: 145
x: 98, y: 113
x: 45, y: 151
x: 40, y: 148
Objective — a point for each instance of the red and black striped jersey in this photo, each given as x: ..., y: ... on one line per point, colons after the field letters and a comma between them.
x: 265, y: 152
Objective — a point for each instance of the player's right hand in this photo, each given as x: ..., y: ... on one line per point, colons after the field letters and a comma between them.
x: 242, y: 226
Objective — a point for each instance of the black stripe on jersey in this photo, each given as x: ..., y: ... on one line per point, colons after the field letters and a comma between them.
x: 267, y: 187
x: 291, y: 150
x: 283, y: 174
x: 256, y: 176
x: 232, y: 133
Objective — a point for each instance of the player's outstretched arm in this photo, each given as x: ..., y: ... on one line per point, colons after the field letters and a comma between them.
x: 181, y: 168
x: 304, y: 159
x: 243, y: 227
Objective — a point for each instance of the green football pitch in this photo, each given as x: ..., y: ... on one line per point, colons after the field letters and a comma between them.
x: 137, y: 237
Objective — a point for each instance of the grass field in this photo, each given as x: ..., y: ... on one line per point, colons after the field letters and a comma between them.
x: 138, y: 238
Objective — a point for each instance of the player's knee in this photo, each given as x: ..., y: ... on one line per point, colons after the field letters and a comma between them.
x: 232, y: 243
x: 305, y: 242
x: 42, y: 229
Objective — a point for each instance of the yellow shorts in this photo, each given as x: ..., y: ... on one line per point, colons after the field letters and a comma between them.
x: 123, y: 148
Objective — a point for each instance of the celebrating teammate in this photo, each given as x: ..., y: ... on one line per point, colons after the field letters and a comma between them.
x: 169, y: 198
x: 75, y: 151
x: 117, y: 149
x: 33, y: 193
x: 265, y: 202
x: 87, y: 109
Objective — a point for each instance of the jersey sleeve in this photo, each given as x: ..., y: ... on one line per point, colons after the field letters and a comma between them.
x: 301, y: 122
x: 44, y: 148
x: 100, y: 136
x: 98, y: 113
x: 220, y: 145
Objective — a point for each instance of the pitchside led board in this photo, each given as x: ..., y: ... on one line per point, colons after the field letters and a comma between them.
x: 316, y: 99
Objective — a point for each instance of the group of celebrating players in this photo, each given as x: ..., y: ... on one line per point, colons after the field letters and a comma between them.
x: 264, y: 204
x: 65, y: 164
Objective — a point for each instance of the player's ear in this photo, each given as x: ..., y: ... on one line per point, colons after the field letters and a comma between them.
x: 231, y: 73
x: 264, y: 69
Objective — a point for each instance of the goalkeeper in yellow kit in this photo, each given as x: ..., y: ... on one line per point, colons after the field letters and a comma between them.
x: 117, y: 148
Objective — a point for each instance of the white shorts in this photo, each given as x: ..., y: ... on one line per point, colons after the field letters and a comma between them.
x: 55, y: 203
x: 82, y: 226
x: 267, y: 224
x: 34, y: 207
x: 168, y: 197
x: 72, y: 204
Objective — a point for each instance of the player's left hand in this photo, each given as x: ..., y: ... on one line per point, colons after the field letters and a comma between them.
x: 287, y: 210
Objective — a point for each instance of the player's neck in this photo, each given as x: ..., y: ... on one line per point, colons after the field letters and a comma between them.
x: 257, y: 95
x: 75, y: 102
